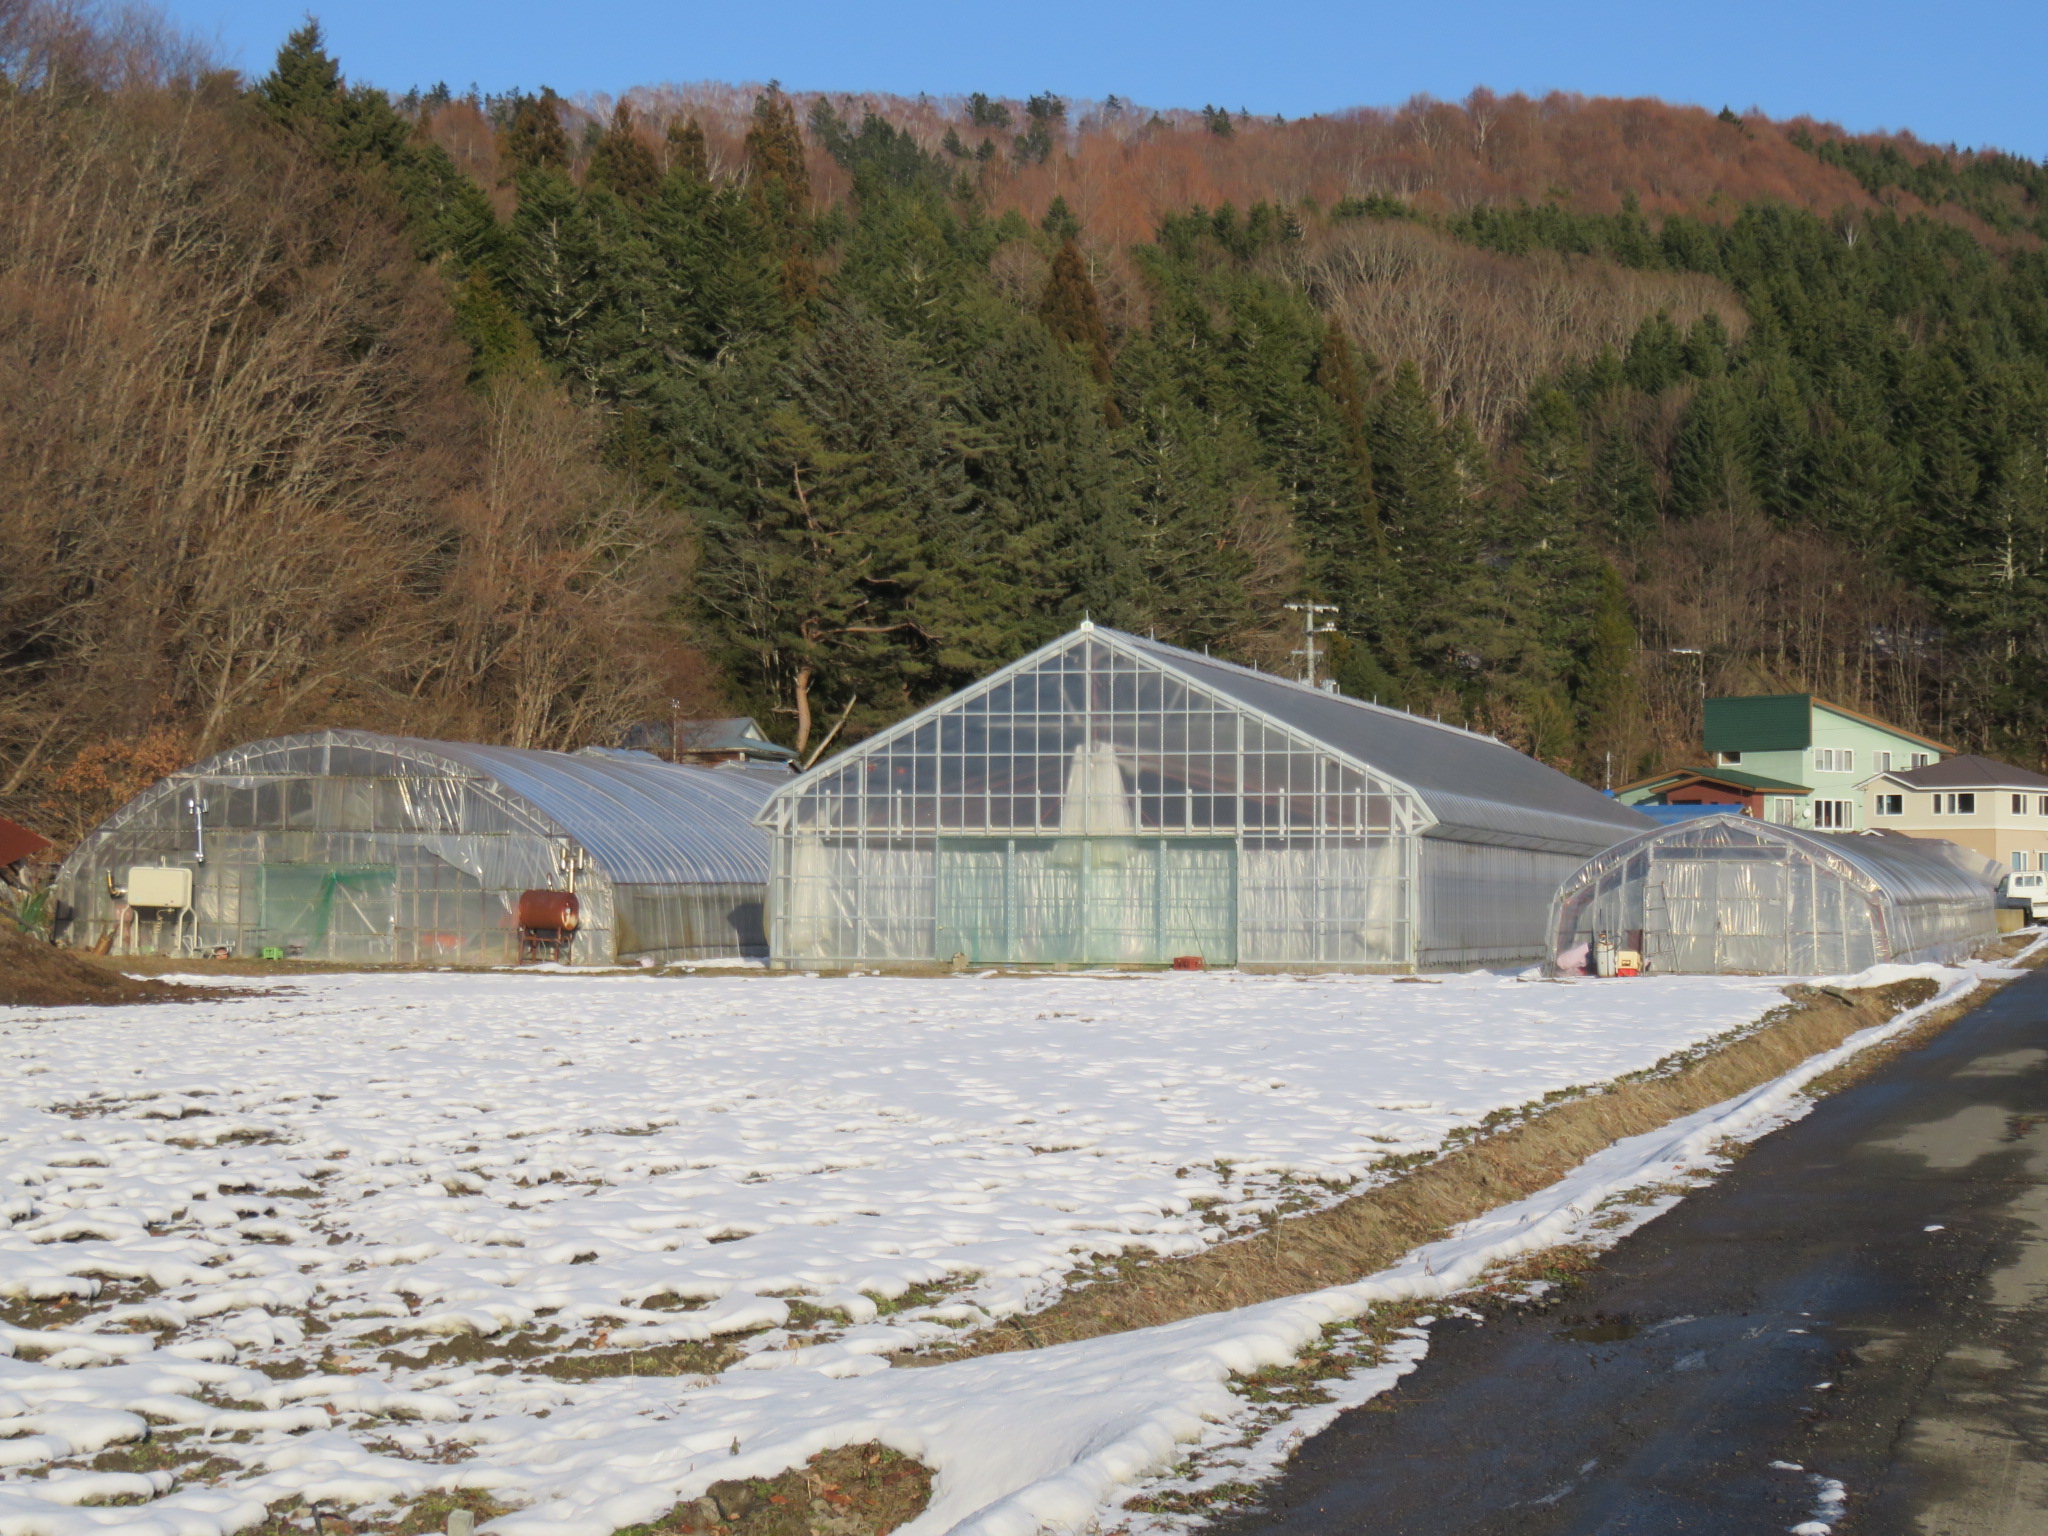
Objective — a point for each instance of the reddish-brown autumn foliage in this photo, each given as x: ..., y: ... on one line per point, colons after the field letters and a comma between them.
x: 1123, y: 168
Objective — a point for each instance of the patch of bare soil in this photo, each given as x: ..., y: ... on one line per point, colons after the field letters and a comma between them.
x: 36, y: 975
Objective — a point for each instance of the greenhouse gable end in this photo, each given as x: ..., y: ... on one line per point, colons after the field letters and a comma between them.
x: 1111, y: 800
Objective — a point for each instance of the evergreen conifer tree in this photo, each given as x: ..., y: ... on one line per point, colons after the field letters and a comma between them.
x: 556, y: 271
x: 305, y: 82
x: 622, y: 164
x: 1347, y: 547
x: 1059, y: 221
x: 1046, y: 481
x: 779, y: 187
x: 534, y: 139
x: 1193, y: 493
x: 1337, y: 377
x: 1071, y: 311
x: 1621, y: 489
x: 1776, y: 433
x: 687, y: 155
x: 1553, y: 471
x: 1608, y: 692
x: 837, y: 534
x: 777, y: 181
x: 1655, y: 355
x: 713, y: 287
x: 984, y: 113
x: 1709, y: 464
x: 1418, y: 481
x: 1705, y: 353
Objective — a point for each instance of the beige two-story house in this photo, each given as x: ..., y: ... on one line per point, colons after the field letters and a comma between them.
x: 1988, y: 807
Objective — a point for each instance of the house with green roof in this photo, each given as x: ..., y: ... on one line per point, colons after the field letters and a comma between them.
x: 1726, y: 789
x: 1789, y: 758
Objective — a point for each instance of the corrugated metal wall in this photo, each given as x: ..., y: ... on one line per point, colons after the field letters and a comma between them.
x: 1486, y: 905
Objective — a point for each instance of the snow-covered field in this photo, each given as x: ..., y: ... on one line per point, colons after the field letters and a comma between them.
x: 663, y: 1230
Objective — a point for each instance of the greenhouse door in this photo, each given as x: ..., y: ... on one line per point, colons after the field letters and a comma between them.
x: 1704, y: 916
x: 1753, y: 935
x: 1088, y: 901
x: 334, y: 912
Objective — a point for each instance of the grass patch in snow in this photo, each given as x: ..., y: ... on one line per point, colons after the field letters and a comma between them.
x: 705, y: 1357
x: 415, y: 1517
x: 856, y: 1490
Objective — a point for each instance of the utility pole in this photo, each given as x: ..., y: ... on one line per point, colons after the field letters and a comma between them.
x: 1310, y: 628
x: 1693, y: 650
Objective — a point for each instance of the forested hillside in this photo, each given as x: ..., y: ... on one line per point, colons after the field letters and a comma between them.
x: 518, y: 418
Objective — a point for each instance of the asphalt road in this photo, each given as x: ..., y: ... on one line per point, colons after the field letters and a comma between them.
x: 1862, y: 1299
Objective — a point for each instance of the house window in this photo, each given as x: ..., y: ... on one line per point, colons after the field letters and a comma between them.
x: 1955, y: 805
x: 2019, y: 862
x: 2019, y: 805
x: 1884, y: 762
x: 1731, y: 759
x: 1823, y: 759
x: 1891, y: 805
x: 1834, y: 815
x: 2041, y: 805
x: 1919, y: 759
x: 1846, y: 760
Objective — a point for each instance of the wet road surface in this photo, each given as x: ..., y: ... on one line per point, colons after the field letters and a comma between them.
x: 1848, y: 1331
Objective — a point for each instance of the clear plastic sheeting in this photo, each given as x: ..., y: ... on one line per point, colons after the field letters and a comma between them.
x: 1731, y: 895
x: 1112, y: 801
x: 346, y: 845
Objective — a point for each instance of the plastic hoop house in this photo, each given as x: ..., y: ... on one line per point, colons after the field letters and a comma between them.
x: 1733, y: 895
x: 354, y: 846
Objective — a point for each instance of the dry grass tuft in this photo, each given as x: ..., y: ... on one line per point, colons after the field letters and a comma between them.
x: 1371, y: 1231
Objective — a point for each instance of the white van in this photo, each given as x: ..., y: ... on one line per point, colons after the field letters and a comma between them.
x: 2029, y: 891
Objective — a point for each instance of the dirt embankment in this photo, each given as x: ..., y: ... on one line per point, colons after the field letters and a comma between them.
x: 33, y: 975
x: 1372, y: 1230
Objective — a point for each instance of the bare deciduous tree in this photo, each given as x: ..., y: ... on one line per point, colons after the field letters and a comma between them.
x: 244, y: 486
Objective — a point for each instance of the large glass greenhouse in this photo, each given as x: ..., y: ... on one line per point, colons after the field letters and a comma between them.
x: 1109, y: 800
x: 1730, y: 894
x: 345, y: 845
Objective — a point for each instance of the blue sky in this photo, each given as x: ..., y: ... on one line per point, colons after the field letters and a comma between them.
x: 1967, y: 73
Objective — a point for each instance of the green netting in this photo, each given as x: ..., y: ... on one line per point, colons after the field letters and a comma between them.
x: 341, y: 911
